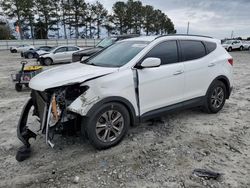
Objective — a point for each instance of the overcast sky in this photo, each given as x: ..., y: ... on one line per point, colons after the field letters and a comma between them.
x: 216, y: 18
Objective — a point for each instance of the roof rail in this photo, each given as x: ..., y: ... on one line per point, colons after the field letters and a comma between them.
x: 182, y: 35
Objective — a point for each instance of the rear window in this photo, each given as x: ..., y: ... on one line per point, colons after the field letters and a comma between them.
x: 72, y: 48
x: 191, y: 50
x: 211, y: 46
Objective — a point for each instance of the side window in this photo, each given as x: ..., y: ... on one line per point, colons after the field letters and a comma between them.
x: 59, y: 50
x: 166, y: 51
x: 210, y: 46
x: 192, y: 50
x: 73, y: 48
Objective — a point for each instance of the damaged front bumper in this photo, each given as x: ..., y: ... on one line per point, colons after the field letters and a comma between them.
x: 50, y: 110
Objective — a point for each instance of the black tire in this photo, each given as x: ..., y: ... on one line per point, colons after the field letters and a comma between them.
x: 241, y: 48
x: 30, y: 56
x: 249, y: 48
x: 47, y: 61
x: 18, y: 87
x: 89, y: 125
x: 230, y: 49
x: 214, y: 103
x: 13, y: 51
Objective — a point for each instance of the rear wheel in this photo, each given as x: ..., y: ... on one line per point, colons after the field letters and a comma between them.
x: 107, y: 125
x: 47, y: 61
x: 241, y: 48
x: 216, y: 97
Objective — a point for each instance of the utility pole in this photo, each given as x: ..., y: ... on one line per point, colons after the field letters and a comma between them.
x: 232, y: 34
x: 188, y: 28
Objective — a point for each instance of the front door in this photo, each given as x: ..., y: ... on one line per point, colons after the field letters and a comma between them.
x: 164, y: 85
x: 60, y: 55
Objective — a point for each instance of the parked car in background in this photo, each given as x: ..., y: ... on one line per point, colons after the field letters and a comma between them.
x: 85, y: 53
x: 33, y: 53
x: 230, y: 45
x: 246, y: 45
x: 20, y: 48
x: 131, y: 81
x: 61, y: 54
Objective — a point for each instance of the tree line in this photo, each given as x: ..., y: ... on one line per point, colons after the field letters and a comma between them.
x: 77, y: 18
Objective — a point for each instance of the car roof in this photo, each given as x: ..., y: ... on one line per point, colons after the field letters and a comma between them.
x: 174, y: 37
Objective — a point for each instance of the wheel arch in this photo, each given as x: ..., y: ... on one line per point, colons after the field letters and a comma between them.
x: 225, y: 81
x: 133, y: 118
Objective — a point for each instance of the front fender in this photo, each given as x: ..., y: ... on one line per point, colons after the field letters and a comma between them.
x: 84, y: 103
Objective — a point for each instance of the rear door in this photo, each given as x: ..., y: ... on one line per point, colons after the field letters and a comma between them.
x: 164, y: 85
x: 71, y: 50
x: 196, y: 66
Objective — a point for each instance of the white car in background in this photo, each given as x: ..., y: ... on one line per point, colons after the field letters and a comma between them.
x: 21, y: 48
x: 246, y: 45
x: 60, y: 54
x: 230, y: 45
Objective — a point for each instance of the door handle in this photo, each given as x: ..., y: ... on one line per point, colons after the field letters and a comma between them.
x: 178, y: 72
x: 211, y: 65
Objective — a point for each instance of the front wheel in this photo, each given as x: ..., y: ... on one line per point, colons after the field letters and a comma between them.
x: 216, y: 97
x: 18, y: 87
x: 230, y: 49
x: 241, y: 48
x: 107, y: 126
x: 47, y: 61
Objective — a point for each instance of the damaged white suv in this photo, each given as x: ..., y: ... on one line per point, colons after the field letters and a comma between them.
x: 131, y: 81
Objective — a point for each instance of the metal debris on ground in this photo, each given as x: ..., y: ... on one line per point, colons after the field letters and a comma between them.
x: 203, y: 173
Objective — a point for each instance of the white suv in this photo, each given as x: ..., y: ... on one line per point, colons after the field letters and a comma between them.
x: 60, y: 54
x: 132, y: 81
x: 230, y: 45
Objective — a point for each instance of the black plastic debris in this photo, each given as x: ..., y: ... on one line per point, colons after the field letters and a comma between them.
x: 23, y: 153
x: 208, y: 174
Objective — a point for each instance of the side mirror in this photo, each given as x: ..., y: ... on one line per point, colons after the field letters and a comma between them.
x: 151, y: 62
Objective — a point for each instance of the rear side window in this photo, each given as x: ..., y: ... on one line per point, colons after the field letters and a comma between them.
x: 166, y: 51
x: 210, y: 46
x: 72, y: 48
x: 191, y: 50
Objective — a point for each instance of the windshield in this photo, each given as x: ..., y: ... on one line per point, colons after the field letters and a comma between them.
x: 106, y: 42
x: 118, y: 54
x: 52, y: 49
x: 228, y: 42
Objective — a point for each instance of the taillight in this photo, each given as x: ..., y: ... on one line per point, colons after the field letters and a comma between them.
x: 231, y: 61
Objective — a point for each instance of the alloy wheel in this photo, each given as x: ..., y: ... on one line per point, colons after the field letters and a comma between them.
x: 109, y: 126
x: 217, y: 97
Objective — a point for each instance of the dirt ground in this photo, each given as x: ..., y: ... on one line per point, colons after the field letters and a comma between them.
x: 159, y: 154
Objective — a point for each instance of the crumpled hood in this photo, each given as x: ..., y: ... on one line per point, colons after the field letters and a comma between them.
x: 67, y: 75
x: 42, y: 52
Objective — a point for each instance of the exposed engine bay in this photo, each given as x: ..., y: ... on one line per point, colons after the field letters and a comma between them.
x: 50, y: 108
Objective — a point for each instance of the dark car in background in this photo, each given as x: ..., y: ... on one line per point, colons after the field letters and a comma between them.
x: 33, y: 53
x: 106, y: 42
